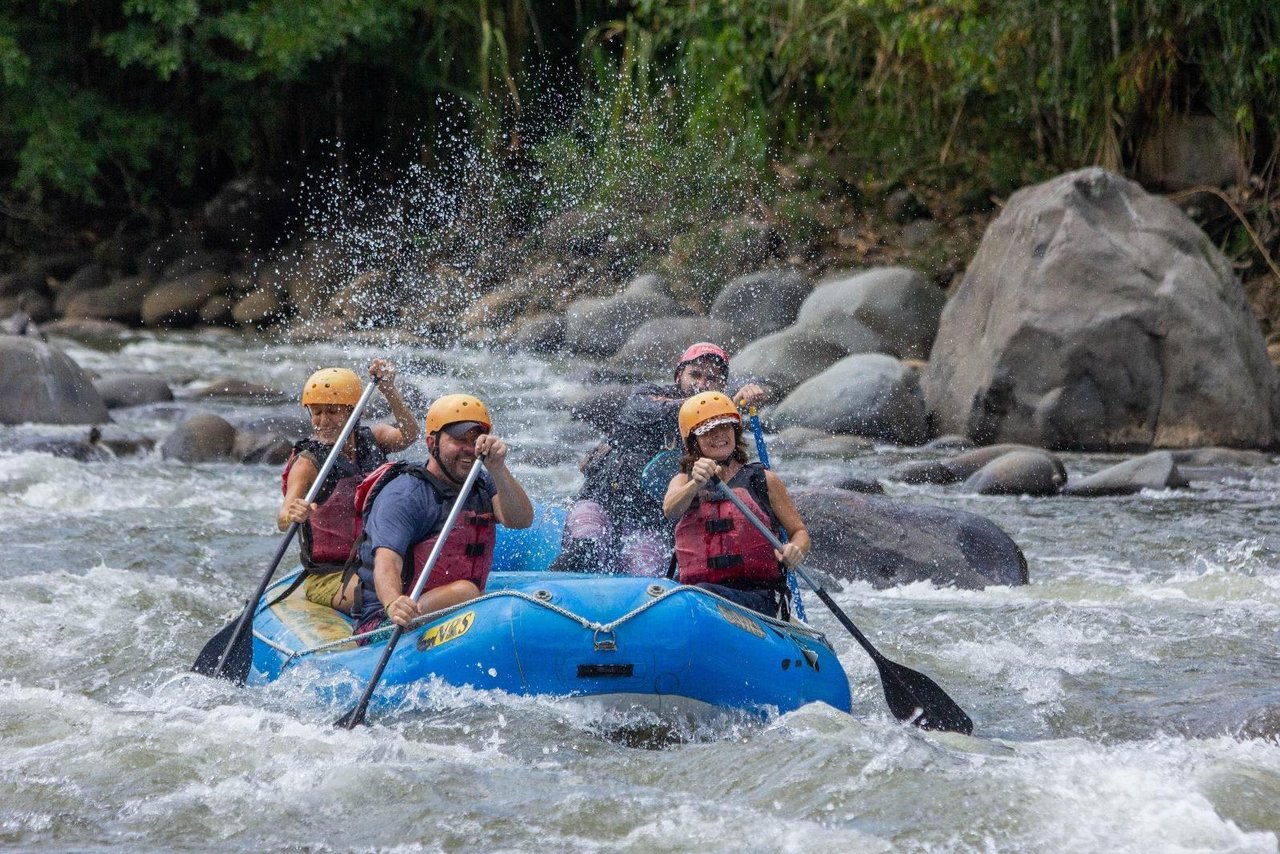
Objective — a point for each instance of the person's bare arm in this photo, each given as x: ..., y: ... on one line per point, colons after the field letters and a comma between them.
x: 798, y: 543
x: 294, y: 509
x: 511, y: 505
x: 683, y: 488
x: 404, y: 431
x: 387, y: 569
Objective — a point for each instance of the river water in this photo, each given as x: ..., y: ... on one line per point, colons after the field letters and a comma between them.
x: 1126, y: 700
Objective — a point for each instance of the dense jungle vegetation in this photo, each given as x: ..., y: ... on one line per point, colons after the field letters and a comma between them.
x: 124, y: 117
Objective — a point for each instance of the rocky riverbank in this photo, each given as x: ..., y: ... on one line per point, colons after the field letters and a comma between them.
x: 1093, y: 316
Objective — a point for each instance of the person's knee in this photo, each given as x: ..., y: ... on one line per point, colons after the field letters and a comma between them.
x: 453, y: 593
x: 586, y: 520
x: 345, y: 599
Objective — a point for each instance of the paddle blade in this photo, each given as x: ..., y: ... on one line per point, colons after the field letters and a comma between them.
x: 238, y: 662
x: 353, y: 718
x: 916, y: 698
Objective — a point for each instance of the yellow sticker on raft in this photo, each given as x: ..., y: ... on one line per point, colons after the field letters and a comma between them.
x: 446, y: 631
x: 740, y: 620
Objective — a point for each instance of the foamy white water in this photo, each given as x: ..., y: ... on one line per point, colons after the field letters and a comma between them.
x: 1126, y: 700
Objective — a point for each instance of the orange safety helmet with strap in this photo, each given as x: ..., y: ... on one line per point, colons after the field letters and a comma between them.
x: 454, y: 408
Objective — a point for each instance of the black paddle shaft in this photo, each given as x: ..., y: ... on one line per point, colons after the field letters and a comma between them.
x: 911, y: 696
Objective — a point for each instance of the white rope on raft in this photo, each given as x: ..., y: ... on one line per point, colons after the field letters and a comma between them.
x: 590, y: 625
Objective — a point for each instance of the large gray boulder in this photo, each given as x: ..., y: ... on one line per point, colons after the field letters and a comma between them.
x: 762, y: 302
x: 1029, y: 472
x: 887, y: 543
x: 897, y: 304
x: 120, y: 300
x: 90, y: 277
x: 655, y: 347
x: 43, y: 385
x: 258, y: 309
x: 1096, y: 316
x: 890, y: 310
x: 598, y: 326
x: 176, y: 302
x: 868, y: 394
x: 783, y: 360
x: 539, y: 333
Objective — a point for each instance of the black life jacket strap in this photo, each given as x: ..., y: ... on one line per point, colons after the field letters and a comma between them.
x: 719, y: 526
x: 723, y: 561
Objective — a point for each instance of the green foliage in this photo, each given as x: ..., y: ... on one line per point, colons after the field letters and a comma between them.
x: 669, y: 163
x: 130, y: 105
x: 926, y: 81
x: 683, y: 104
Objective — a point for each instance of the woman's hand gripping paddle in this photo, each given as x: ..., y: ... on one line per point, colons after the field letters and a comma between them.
x: 229, y: 653
x: 355, y: 717
x: 911, y: 695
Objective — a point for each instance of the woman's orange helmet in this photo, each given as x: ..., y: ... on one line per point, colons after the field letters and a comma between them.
x: 706, y: 410
x: 332, y: 385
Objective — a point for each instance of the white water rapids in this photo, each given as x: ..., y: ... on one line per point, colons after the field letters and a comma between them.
x: 1125, y: 700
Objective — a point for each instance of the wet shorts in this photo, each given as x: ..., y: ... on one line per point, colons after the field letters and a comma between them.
x: 322, y: 589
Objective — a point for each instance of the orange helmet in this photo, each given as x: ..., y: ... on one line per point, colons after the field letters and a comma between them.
x: 332, y: 385
x: 457, y: 408
x: 706, y: 410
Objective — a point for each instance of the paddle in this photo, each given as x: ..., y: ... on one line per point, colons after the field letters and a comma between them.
x: 355, y: 717
x: 229, y: 653
x: 912, y: 696
x: 761, y: 451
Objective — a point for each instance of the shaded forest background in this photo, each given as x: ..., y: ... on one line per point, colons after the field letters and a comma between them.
x: 119, y: 121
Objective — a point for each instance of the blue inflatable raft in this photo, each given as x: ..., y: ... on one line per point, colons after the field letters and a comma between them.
x: 628, y: 641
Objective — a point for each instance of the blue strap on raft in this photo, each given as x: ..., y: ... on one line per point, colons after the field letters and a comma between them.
x: 763, y: 453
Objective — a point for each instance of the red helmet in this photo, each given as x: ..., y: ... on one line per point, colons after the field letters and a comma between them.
x: 702, y: 350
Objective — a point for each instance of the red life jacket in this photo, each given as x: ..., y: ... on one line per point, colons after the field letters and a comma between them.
x: 468, y: 550
x: 325, y: 539
x: 716, y: 544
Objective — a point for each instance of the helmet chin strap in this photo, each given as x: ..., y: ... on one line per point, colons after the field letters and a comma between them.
x: 434, y: 449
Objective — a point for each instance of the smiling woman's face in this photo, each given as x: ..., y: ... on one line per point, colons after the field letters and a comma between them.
x: 718, y: 442
x: 328, y: 419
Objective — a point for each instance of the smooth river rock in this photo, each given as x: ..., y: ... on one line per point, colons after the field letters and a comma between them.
x: 887, y: 542
x: 1029, y: 472
x: 201, y: 438
x: 43, y: 385
x: 121, y: 390
x: 1156, y: 470
x: 867, y: 394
